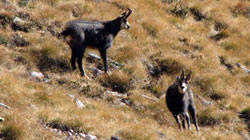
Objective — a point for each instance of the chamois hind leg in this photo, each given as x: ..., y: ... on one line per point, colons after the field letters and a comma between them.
x: 73, y: 59
x: 187, y: 119
x: 80, y: 55
x: 192, y: 111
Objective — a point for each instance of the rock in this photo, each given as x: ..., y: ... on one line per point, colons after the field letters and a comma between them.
x: 126, y: 101
x: 243, y: 68
x: 1, y: 119
x: 69, y: 138
x: 4, y: 105
x: 117, y: 94
x: 20, y: 25
x: 161, y: 135
x: 115, y: 64
x: 71, y: 96
x: 83, y: 135
x: 79, y: 103
x: 150, y: 98
x: 205, y: 102
x: 17, y: 41
x: 115, y: 138
x: 96, y: 71
x: 37, y: 75
x: 91, y: 137
x: 93, y: 58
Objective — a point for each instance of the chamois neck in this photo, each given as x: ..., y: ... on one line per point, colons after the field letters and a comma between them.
x: 114, y: 26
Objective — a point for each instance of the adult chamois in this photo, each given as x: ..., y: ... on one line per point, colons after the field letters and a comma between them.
x: 80, y: 34
x: 179, y: 100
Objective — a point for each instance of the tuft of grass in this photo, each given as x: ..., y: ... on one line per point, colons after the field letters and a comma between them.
x: 118, y: 81
x: 216, y: 95
x: 5, y: 19
x: 46, y: 60
x: 180, y: 11
x: 205, y: 84
x: 198, y: 16
x: 245, y: 114
x: 43, y: 98
x: 167, y: 66
x: 151, y: 30
x: 128, y: 135
x: 220, y: 36
x: 247, y: 63
x: 207, y: 118
x: 170, y: 66
x: 242, y: 8
x: 3, y: 40
x: 11, y: 132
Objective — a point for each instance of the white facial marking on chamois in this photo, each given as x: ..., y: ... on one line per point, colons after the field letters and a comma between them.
x: 125, y: 25
x: 182, y: 88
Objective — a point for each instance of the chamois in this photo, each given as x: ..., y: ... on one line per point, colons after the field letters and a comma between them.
x: 179, y: 100
x: 80, y: 34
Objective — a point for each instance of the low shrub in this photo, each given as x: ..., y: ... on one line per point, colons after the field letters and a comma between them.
x: 11, y: 132
x: 168, y: 66
x: 245, y: 115
x: 207, y: 118
x: 118, y: 81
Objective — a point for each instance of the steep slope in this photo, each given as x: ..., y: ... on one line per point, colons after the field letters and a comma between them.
x: 209, y: 37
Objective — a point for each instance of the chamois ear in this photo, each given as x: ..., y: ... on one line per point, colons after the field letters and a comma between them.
x: 188, y: 76
x: 182, y: 73
x: 123, y: 14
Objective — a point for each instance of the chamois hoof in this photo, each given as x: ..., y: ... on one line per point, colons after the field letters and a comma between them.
x: 85, y: 76
x: 108, y: 73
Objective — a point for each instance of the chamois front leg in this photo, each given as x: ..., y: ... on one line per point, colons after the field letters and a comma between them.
x: 103, y: 53
x: 178, y: 121
x: 192, y: 111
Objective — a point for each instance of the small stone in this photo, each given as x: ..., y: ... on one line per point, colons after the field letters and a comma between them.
x: 91, y: 137
x: 83, y: 135
x: 161, y: 135
x: 1, y: 119
x: 37, y: 75
x: 115, y: 138
x: 79, y: 103
x: 4, y: 105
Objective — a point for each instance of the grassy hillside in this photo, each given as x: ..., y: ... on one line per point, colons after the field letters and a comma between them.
x: 209, y: 37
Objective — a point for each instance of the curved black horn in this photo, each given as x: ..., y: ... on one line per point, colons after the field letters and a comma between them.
x: 129, y: 12
x: 183, y: 73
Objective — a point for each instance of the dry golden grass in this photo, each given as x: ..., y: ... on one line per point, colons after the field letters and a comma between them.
x: 156, y: 37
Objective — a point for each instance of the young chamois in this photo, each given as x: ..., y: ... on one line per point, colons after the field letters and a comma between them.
x: 80, y: 34
x: 179, y: 100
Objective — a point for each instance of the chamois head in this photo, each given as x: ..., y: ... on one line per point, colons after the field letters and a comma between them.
x: 124, y: 21
x: 183, y: 81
